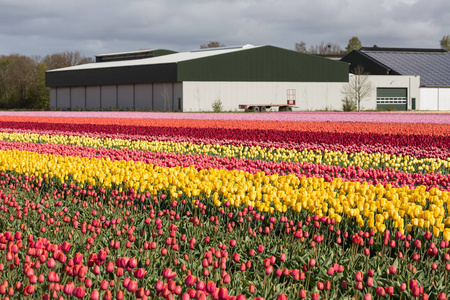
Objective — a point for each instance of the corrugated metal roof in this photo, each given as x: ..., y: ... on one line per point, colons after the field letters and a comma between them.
x: 432, y: 67
x: 166, y: 59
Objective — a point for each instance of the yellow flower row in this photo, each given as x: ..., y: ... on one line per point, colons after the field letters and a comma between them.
x: 332, y: 158
x: 374, y: 206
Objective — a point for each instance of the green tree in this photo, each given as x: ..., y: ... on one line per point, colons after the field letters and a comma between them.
x: 445, y: 42
x: 5, y: 65
x: 353, y: 44
x: 212, y: 44
x: 22, y: 78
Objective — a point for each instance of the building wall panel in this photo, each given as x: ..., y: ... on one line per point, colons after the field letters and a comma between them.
x: 444, y: 98
x: 162, y: 96
x: 434, y: 98
x: 78, y: 97
x: 63, y: 98
x: 93, y: 97
x: 125, y: 96
x: 53, y: 97
x: 428, y: 99
x: 143, y: 96
x: 108, y: 96
x: 177, y: 96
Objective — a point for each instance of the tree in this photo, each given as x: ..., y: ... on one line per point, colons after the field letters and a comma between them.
x: 358, y: 88
x: 301, y: 47
x: 65, y: 59
x: 19, y: 80
x: 445, y: 42
x: 322, y: 48
x: 22, y: 78
x: 5, y: 65
x: 212, y: 44
x: 326, y: 49
x: 353, y: 44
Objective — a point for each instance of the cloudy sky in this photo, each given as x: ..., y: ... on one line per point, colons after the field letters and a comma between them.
x: 40, y: 27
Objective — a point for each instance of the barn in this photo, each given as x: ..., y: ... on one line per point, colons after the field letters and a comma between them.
x: 165, y: 80
x: 430, y: 66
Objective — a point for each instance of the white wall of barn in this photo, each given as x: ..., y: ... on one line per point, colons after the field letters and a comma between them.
x: 199, y: 96
x: 434, y: 98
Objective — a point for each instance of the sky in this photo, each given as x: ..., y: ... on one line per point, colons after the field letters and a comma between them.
x: 41, y: 27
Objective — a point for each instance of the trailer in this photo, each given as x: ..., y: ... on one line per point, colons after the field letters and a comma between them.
x: 263, y: 107
x: 290, y: 102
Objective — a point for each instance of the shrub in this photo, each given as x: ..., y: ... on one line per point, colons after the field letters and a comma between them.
x: 217, y: 106
x: 348, y: 104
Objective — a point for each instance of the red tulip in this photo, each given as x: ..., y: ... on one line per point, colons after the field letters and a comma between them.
x: 210, y: 287
x: 68, y: 288
x: 380, y: 291
x: 251, y: 289
x: 79, y: 292
x: 140, y: 273
x: 223, y: 293
x: 359, y: 276
x: 282, y: 297
x: 167, y: 273
x: 392, y: 269
x: 390, y: 290
x: 185, y: 296
x: 94, y: 295
x: 119, y: 295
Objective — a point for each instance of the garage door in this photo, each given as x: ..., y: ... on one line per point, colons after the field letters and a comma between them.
x: 392, y: 98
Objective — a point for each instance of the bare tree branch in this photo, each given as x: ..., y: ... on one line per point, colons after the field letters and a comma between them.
x: 359, y: 87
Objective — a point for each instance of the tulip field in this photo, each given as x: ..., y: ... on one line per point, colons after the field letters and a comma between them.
x: 291, y: 205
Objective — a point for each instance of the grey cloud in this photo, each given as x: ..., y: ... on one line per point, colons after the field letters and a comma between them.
x: 93, y: 27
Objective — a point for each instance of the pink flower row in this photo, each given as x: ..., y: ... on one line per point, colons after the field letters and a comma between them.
x: 378, y: 117
x: 371, y: 176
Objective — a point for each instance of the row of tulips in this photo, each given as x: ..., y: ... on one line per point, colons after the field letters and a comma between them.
x: 77, y: 243
x: 201, y: 162
x: 257, y: 134
x: 426, y: 127
x: 364, y: 160
x: 412, y: 151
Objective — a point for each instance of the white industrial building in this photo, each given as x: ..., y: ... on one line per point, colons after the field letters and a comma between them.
x: 430, y: 66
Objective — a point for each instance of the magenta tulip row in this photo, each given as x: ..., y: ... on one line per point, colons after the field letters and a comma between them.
x: 372, y: 117
x: 256, y: 135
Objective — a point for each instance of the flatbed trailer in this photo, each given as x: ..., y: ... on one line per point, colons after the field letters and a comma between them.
x: 264, y: 107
